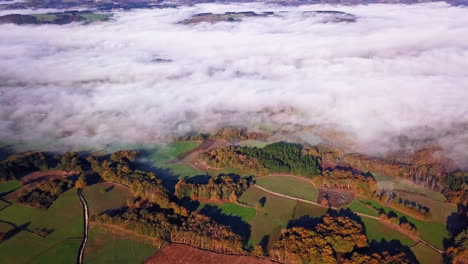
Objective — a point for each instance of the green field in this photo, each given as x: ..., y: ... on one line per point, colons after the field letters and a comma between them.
x: 275, y: 214
x: 426, y: 255
x: 378, y: 232
x: 8, y: 186
x: 245, y: 213
x: 253, y: 143
x: 158, y: 155
x: 64, y: 217
x: 432, y: 232
x: 98, y: 202
x: 91, y: 17
x: 291, y: 186
x: 109, y: 246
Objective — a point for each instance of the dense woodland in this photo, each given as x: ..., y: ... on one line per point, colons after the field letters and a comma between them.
x: 44, y: 194
x: 19, y: 164
x: 278, y: 157
x: 335, y: 239
x: 221, y: 187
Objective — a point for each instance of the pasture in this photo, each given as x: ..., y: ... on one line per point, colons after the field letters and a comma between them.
x: 390, y: 183
x: 65, y: 221
x: 114, y: 196
x: 275, y: 214
x: 432, y: 232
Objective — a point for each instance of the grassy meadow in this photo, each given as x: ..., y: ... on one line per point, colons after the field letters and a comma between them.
x: 114, y: 196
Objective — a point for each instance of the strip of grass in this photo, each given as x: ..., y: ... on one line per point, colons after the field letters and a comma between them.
x: 432, y: 232
x: 359, y: 207
x: 109, y: 246
x: 64, y: 217
x: 245, y: 213
x: 114, y: 196
x: 290, y: 186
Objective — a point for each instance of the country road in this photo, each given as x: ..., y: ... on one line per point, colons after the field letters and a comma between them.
x: 86, y: 215
x: 360, y: 214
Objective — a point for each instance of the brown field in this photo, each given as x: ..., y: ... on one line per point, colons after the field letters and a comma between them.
x: 182, y: 254
x: 191, y: 157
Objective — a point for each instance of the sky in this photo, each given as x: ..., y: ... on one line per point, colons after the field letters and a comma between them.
x: 395, y: 78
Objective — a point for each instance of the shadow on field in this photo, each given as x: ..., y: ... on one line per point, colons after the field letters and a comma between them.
x: 236, y: 223
x: 392, y: 246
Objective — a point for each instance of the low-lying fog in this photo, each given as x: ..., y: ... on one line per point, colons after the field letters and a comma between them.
x: 400, y: 71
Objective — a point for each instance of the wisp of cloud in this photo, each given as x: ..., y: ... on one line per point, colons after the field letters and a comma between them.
x: 399, y: 71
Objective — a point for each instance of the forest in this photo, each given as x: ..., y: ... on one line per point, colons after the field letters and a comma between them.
x: 43, y: 195
x: 19, y: 164
x: 280, y: 157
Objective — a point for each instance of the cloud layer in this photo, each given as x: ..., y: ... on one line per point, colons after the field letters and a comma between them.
x: 399, y: 72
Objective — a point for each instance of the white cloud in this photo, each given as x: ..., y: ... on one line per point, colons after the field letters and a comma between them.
x: 400, y: 69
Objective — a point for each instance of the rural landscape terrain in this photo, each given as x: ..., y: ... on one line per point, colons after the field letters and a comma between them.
x: 231, y: 197
x: 206, y: 132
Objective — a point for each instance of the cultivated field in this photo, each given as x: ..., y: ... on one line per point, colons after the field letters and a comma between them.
x: 289, y: 185
x: 182, y: 254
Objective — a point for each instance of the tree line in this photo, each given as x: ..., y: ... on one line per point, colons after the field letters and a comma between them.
x: 218, y: 188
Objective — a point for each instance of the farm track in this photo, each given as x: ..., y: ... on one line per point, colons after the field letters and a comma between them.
x: 360, y: 214
x: 86, y: 216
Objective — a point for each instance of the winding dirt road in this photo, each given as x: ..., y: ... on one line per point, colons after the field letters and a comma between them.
x: 86, y: 216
